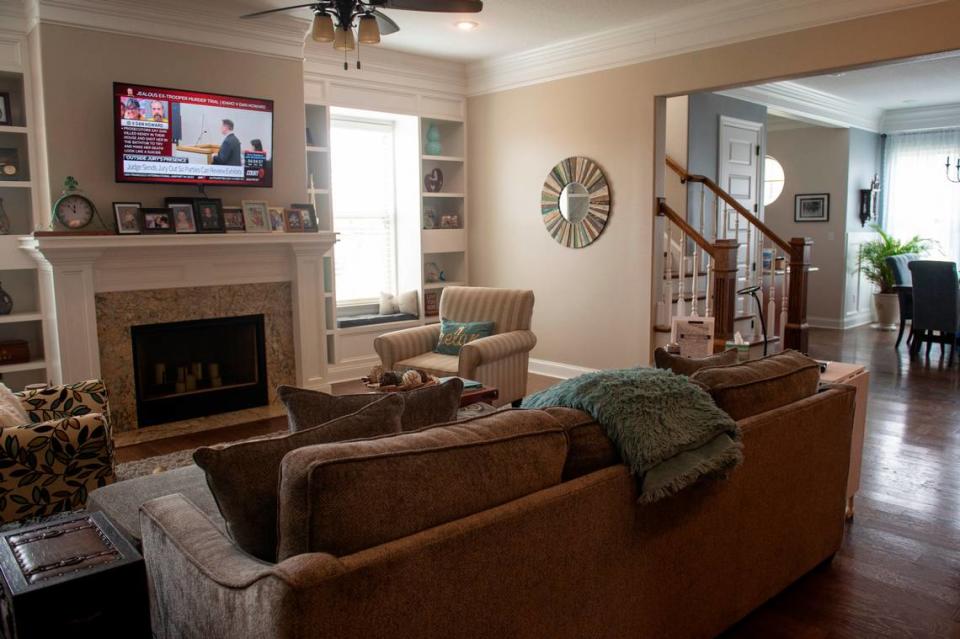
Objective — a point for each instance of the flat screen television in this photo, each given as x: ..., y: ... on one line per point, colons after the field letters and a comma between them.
x: 169, y: 136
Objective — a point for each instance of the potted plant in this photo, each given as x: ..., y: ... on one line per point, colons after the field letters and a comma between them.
x: 873, y: 264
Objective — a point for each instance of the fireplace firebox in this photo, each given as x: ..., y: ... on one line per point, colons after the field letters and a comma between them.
x: 199, y: 367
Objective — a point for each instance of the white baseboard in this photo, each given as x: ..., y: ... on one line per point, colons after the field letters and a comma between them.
x: 557, y: 369
x: 831, y: 323
x: 862, y: 318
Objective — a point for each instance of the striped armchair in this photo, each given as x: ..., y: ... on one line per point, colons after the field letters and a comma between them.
x: 500, y: 360
x: 51, y: 464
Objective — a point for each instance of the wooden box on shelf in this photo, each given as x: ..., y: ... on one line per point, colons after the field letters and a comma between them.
x: 14, y: 351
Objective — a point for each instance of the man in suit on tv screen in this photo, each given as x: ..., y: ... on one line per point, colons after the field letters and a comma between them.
x: 229, y: 153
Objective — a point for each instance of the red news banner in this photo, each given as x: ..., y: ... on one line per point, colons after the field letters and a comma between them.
x: 146, y: 134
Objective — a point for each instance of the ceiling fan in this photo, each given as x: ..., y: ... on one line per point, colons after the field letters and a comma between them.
x: 334, y: 20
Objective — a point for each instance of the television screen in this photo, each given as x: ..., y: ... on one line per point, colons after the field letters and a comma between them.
x: 170, y: 136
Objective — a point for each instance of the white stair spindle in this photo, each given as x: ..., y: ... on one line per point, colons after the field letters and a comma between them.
x: 708, y: 303
x: 681, y: 304
x: 784, y: 302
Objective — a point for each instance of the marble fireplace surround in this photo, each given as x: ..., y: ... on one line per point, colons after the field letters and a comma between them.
x: 128, y: 279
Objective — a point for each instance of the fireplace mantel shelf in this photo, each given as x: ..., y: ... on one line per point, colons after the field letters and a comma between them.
x: 45, y: 243
x: 73, y: 270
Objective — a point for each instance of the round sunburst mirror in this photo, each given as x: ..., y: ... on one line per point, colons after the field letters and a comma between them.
x: 575, y: 202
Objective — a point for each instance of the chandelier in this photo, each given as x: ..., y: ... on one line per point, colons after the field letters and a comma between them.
x: 956, y: 171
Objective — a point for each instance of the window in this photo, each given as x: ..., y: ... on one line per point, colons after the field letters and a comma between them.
x: 773, y: 180
x: 917, y: 197
x: 364, y: 209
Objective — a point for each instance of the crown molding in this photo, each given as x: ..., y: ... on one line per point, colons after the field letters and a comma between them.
x: 809, y: 105
x: 383, y: 68
x: 928, y: 118
x: 208, y: 23
x: 689, y: 28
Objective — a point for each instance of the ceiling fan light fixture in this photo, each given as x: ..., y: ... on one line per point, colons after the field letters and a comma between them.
x: 344, y: 40
x: 466, y: 25
x: 322, y: 28
x: 369, y: 31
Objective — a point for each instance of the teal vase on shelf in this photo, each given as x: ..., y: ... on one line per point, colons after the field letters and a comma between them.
x: 433, y: 140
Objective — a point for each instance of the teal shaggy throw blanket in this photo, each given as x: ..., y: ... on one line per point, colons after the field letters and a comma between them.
x: 668, y: 430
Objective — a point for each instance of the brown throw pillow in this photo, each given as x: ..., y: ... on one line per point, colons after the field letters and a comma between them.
x: 760, y: 385
x: 688, y: 365
x: 421, y: 407
x: 243, y: 476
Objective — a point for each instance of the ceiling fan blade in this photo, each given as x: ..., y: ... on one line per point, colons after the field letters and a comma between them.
x: 268, y: 11
x: 444, y: 6
x: 386, y: 25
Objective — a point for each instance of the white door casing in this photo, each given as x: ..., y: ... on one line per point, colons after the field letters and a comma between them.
x: 739, y: 173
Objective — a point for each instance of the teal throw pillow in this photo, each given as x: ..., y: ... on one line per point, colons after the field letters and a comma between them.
x: 453, y: 335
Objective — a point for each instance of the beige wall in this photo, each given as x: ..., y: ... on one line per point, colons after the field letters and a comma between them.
x: 594, y: 305
x: 79, y: 69
x: 815, y: 160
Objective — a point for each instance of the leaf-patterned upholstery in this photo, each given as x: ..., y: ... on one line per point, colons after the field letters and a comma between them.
x: 51, y: 464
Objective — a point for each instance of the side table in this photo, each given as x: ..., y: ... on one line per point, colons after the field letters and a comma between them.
x: 857, y: 376
x: 74, y: 575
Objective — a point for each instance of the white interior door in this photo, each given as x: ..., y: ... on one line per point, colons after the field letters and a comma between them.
x: 739, y: 172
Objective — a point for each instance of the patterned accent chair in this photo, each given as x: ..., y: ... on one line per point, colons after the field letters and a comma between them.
x: 50, y: 465
x: 500, y: 360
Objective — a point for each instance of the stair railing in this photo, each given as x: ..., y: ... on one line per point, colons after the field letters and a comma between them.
x: 732, y: 249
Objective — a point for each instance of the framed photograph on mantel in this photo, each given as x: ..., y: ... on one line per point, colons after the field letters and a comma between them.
x: 811, y: 207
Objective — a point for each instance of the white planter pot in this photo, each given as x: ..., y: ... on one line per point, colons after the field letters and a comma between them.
x: 888, y: 310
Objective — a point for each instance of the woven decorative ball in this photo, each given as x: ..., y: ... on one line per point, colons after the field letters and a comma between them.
x: 410, y: 378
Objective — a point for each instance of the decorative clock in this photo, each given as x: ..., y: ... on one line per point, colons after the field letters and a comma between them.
x: 74, y: 211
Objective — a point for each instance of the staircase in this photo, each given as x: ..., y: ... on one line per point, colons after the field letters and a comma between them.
x: 720, y: 248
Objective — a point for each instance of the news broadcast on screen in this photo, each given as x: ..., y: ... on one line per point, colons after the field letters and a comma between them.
x: 188, y: 137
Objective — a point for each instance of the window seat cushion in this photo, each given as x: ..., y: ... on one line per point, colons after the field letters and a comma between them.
x: 373, y: 318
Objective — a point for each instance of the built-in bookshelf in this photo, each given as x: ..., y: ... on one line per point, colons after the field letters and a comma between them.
x: 419, y: 246
x: 18, y: 271
x: 443, y: 235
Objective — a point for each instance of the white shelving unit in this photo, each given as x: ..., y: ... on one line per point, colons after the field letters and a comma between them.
x: 442, y: 246
x: 18, y: 271
x: 350, y: 350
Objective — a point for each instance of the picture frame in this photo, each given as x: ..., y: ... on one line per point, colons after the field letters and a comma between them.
x: 276, y: 219
x: 5, y: 117
x: 450, y: 221
x: 431, y: 302
x: 209, y: 215
x: 811, y: 207
x: 233, y: 219
x: 184, y: 217
x: 156, y: 221
x: 310, y: 224
x: 127, y: 216
x: 293, y: 220
x: 694, y: 335
x: 256, y: 216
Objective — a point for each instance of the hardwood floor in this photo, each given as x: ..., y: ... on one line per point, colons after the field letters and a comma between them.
x: 898, y: 572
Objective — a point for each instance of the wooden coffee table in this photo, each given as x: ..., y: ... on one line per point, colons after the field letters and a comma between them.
x: 485, y: 394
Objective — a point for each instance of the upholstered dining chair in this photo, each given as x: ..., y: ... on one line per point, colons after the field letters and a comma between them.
x: 903, y: 285
x: 500, y: 360
x: 936, y: 305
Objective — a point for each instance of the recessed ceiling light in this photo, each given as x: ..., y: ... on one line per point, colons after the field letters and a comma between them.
x: 466, y: 25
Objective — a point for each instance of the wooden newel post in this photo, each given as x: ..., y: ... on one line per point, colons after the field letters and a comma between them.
x: 795, y: 332
x: 724, y: 290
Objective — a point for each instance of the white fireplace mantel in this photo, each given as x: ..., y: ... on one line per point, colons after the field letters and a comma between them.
x: 74, y: 268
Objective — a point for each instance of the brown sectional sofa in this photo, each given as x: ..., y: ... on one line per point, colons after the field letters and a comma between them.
x: 576, y: 558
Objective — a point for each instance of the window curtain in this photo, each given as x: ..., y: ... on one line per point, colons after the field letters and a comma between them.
x: 917, y: 197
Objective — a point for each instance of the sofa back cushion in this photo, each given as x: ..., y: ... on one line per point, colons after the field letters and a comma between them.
x: 589, y: 448
x: 508, y: 309
x: 690, y: 365
x: 342, y: 498
x: 243, y: 476
x: 754, y: 387
x: 422, y: 407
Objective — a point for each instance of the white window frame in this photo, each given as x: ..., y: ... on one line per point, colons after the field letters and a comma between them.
x: 362, y: 306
